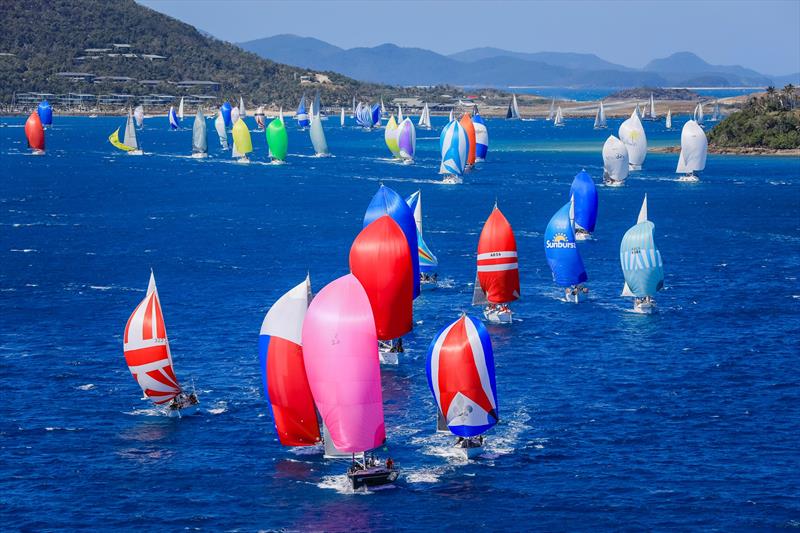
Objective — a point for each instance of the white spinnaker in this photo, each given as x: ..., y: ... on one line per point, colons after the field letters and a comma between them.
x: 694, y: 149
x: 615, y: 159
x: 631, y: 132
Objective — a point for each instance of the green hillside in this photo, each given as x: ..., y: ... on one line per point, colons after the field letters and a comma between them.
x: 771, y: 121
x: 41, y: 38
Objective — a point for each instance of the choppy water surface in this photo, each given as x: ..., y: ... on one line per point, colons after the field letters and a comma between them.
x: 688, y: 418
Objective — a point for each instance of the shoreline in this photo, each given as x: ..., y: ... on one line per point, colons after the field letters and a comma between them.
x: 744, y: 150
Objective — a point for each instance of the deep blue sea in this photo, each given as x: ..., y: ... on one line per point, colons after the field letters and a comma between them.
x: 686, y: 419
x: 583, y: 94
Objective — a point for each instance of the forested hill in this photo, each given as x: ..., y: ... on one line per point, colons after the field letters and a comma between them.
x: 771, y: 121
x: 41, y: 38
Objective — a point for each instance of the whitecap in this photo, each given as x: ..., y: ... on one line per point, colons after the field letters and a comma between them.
x: 100, y: 287
x: 88, y: 386
x: 220, y: 407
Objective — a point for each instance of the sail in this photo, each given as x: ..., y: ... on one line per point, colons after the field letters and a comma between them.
x: 34, y: 132
x: 199, y: 138
x: 318, y: 136
x: 235, y: 115
x: 653, y: 115
x: 469, y: 129
x: 364, y: 116
x: 597, y: 119
x: 138, y: 114
x: 461, y: 377
x: 260, y: 117
x: 600, y: 118
x: 173, y: 119
x: 552, y: 113
x: 280, y: 352
x: 453, y: 143
x: 481, y: 137
x: 498, y: 269
x: 242, y: 143
x: 694, y: 148
x: 114, y: 140
x: 641, y: 260
x: 390, y: 137
x: 302, y: 115
x: 130, y: 134
x: 615, y: 160
x: 45, y: 112
x: 242, y: 110
x: 381, y: 260
x: 561, y: 251
x: 631, y: 132
x: 399, y: 114
x: 699, y: 117
x: 277, y: 139
x: 340, y: 351
x: 427, y: 261
x: 146, y: 349
x: 715, y: 116
x: 180, y: 109
x: 407, y: 139
x: 515, y: 107
x: 559, y: 119
x: 425, y: 117
x: 376, y: 115
x: 225, y: 109
x: 219, y: 125
x: 354, y: 107
x: 341, y: 119
x: 387, y: 202
x: 584, y: 194
x: 383, y: 107
x: 668, y: 123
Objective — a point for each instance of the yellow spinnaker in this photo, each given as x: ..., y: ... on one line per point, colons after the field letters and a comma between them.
x: 241, y: 138
x: 114, y: 139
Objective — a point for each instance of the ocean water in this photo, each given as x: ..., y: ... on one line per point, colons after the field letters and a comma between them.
x: 684, y: 419
x: 583, y: 94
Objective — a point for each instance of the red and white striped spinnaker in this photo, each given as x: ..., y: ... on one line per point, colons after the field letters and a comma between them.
x: 147, y: 349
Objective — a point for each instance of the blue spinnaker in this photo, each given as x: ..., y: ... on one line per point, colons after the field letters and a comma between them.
x: 225, y: 109
x: 584, y: 194
x: 562, y: 252
x: 45, y: 113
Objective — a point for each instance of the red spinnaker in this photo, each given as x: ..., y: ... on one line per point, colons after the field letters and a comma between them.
x: 381, y: 261
x: 469, y: 127
x: 498, y: 270
x: 34, y: 132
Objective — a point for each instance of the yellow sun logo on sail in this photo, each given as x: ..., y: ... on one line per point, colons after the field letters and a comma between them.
x: 559, y: 240
x: 560, y: 237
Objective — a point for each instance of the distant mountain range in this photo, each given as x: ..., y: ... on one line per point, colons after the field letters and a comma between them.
x: 389, y: 63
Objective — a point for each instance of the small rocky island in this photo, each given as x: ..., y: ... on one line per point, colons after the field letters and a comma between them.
x: 658, y: 93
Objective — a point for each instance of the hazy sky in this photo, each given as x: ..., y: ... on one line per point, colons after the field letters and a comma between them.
x: 763, y: 35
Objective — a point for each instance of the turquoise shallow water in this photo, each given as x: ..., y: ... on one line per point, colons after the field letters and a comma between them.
x: 684, y: 419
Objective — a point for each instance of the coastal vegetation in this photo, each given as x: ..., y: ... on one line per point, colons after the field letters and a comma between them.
x: 129, y: 49
x: 658, y: 93
x: 771, y: 121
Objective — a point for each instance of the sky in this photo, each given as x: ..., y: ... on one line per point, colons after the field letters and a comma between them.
x: 762, y: 35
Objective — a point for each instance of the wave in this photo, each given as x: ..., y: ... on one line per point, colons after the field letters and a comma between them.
x: 88, y: 386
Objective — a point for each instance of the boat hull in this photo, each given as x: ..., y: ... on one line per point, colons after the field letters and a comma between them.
x: 644, y: 308
x: 427, y: 285
x: 199, y: 155
x: 372, y: 477
x: 689, y: 178
x: 185, y: 411
x: 452, y: 180
x: 470, y: 448
x: 498, y: 316
x: 614, y: 183
x: 135, y: 152
x: 576, y: 298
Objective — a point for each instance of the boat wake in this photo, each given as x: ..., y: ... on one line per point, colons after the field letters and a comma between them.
x: 88, y: 386
x: 219, y: 408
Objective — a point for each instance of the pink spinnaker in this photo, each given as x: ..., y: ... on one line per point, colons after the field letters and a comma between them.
x: 340, y: 348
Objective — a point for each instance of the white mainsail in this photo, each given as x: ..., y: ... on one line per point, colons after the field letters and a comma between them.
x: 219, y: 125
x: 199, y: 142
x: 341, y: 119
x: 698, y: 114
x: 130, y: 133
x: 425, y: 118
x: 694, y: 149
x: 242, y: 110
x: 631, y: 132
x: 559, y: 119
x: 669, y: 119
x: 515, y: 106
x: 399, y: 114
x: 551, y: 115
x: 600, y: 118
x: 138, y: 114
x: 318, y: 136
x: 653, y: 114
x: 180, y: 109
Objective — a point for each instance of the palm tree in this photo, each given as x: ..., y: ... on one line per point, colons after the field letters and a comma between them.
x: 788, y: 90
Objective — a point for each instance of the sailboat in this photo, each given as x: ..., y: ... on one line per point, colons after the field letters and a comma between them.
x: 341, y: 119
x: 242, y: 110
x: 180, y: 109
x: 174, y: 122
x: 668, y: 123
x: 316, y: 107
x: 694, y: 148
x: 615, y: 162
x: 376, y: 116
x: 387, y: 202
x: 461, y: 377
x: 512, y: 113
x: 716, y: 116
x: 242, y: 143
x: 563, y: 255
x: 383, y: 108
x: 318, y: 136
x: 469, y: 129
x: 235, y: 115
x: 407, y: 141
x: 427, y: 261
x: 129, y: 144
x: 147, y: 354
x: 551, y: 114
x: 277, y: 139
x: 225, y: 110
x: 453, y: 144
x: 631, y: 132
x: 302, y: 115
x: 390, y: 137
x: 399, y: 114
x: 199, y: 138
x: 219, y: 125
x: 45, y: 112
x: 558, y: 121
x: 425, y: 118
x: 353, y: 109
x: 650, y: 110
x: 34, y: 133
x: 584, y: 196
x: 280, y: 353
x: 600, y: 118
x: 481, y: 137
x: 260, y: 117
x: 638, y: 112
x: 699, y: 117
x: 497, y: 278
x: 641, y: 264
x: 340, y: 356
x: 364, y: 116
x: 138, y: 115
